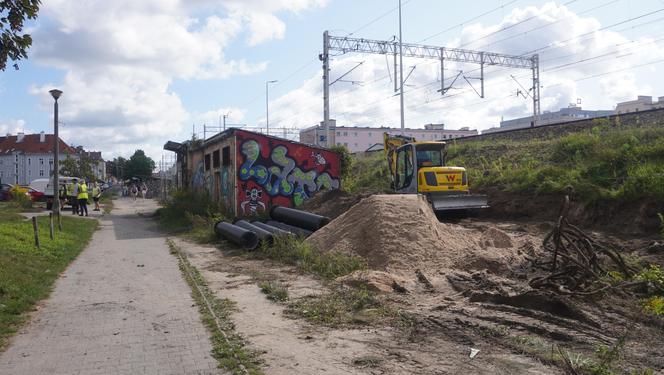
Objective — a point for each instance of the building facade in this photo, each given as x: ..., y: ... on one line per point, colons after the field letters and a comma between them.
x: 361, y: 138
x: 27, y: 157
x: 97, y: 164
x: 642, y: 103
x: 248, y: 172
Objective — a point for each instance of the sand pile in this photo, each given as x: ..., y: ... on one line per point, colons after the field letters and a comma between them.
x: 400, y: 233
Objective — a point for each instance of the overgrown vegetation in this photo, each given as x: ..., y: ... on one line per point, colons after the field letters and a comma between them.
x: 192, y: 214
x: 295, y: 251
x: 606, y: 162
x: 340, y: 307
x: 20, y: 198
x: 228, y: 347
x: 27, y: 273
x: 368, y: 175
x: 274, y: 290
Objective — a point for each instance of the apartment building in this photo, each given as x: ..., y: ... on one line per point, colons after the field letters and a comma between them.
x: 642, y: 103
x: 26, y: 157
x: 361, y: 138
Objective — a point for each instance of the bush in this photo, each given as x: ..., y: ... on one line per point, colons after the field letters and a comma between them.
x: 187, y: 209
x: 20, y: 197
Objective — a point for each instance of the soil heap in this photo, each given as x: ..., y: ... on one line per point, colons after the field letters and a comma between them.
x: 401, y: 233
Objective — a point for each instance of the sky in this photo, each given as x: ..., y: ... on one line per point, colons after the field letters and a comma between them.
x: 136, y: 74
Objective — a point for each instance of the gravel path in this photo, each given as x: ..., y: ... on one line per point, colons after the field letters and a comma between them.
x: 122, y: 307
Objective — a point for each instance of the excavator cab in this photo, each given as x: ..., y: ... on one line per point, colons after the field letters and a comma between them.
x: 420, y: 167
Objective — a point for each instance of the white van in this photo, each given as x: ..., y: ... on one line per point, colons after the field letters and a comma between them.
x: 45, y: 185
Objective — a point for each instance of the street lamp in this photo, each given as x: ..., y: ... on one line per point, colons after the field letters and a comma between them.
x: 267, y: 107
x: 55, y: 93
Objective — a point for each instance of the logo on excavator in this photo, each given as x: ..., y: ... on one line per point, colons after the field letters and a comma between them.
x: 450, y: 177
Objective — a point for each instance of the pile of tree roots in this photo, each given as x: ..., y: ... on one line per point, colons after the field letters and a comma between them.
x: 578, y: 264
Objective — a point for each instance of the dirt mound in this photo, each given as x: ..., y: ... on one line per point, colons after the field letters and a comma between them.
x: 400, y: 233
x: 331, y: 203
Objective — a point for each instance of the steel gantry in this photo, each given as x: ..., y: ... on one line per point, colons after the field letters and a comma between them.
x: 443, y: 54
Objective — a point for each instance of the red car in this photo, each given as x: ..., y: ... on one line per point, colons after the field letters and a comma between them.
x: 35, y: 195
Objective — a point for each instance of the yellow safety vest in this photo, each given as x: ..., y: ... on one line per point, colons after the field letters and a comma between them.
x: 70, y: 189
x: 96, y: 192
x: 82, y: 191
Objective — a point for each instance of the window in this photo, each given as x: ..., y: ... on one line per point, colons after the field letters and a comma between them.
x: 207, y: 162
x: 338, y: 143
x: 338, y: 134
x: 2, y: 174
x: 29, y: 172
x: 226, y: 156
x: 355, y: 144
x: 346, y: 144
x: 29, y: 161
x: 355, y: 134
x: 41, y: 161
x: 41, y: 173
x: 215, y: 159
x: 345, y: 134
x: 369, y: 134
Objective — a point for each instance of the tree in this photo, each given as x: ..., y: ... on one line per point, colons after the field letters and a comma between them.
x: 13, y: 13
x: 139, y: 165
x: 78, y: 168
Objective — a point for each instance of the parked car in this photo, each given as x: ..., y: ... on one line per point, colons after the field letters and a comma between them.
x: 35, y: 195
x: 5, y: 192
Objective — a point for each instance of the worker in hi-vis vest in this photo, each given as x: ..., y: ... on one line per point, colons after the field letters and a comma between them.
x: 96, y: 194
x: 73, y: 196
x: 82, y: 198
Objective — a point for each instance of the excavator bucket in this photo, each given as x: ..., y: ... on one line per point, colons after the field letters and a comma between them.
x: 445, y: 202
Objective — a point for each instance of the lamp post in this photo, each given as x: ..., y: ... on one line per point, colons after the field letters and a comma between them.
x: 267, y: 107
x: 55, y: 93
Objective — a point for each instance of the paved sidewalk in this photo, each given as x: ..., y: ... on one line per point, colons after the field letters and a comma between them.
x: 122, y: 307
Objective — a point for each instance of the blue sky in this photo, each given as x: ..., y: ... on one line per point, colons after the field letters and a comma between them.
x: 135, y: 74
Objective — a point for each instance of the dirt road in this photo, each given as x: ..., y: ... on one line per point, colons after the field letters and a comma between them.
x: 122, y: 307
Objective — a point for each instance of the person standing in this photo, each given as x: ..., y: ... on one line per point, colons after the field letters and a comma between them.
x: 83, y: 198
x: 73, y: 196
x: 134, y: 191
x: 96, y: 194
x: 144, y: 190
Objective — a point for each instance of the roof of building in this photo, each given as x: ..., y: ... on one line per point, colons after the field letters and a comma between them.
x: 385, y: 128
x: 30, y: 144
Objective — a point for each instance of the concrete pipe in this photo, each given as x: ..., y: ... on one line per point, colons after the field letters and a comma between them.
x: 263, y: 235
x: 237, y: 235
x: 298, y: 218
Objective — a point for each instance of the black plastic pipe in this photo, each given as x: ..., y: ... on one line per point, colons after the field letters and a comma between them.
x: 236, y: 234
x: 262, y: 234
x: 274, y: 230
x: 291, y: 228
x: 298, y: 218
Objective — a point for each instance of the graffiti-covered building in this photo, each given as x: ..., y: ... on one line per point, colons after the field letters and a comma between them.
x: 248, y: 172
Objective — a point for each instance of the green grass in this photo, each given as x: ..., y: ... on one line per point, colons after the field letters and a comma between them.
x: 607, y: 162
x: 228, y: 347
x: 106, y: 201
x: 340, y: 308
x: 368, y: 175
x: 274, y: 290
x: 295, y: 251
x: 27, y: 273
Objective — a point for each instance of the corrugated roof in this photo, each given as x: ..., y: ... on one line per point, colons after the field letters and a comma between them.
x: 30, y: 144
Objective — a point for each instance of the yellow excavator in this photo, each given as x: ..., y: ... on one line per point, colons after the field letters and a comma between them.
x: 419, y: 168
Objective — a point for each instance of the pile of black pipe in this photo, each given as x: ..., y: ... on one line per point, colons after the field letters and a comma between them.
x: 237, y: 235
x: 283, y: 221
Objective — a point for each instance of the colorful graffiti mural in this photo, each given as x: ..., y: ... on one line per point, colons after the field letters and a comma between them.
x: 272, y: 171
x: 225, y: 187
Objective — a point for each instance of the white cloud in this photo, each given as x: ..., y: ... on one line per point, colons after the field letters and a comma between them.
x: 13, y: 126
x: 122, y: 56
x: 552, y: 26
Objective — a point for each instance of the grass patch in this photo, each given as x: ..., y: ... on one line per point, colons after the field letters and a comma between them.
x: 274, y: 290
x: 27, y: 273
x: 340, y: 308
x: 607, y: 162
x: 295, y: 251
x: 228, y: 347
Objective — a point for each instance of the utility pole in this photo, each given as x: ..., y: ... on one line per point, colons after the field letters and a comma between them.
x: 267, y: 107
x: 403, y: 122
x: 55, y: 93
x: 325, y: 57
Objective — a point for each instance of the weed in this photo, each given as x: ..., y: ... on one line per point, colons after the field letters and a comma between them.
x: 661, y: 225
x: 607, y: 356
x: 653, y: 274
x: 275, y: 291
x: 653, y: 305
x: 339, y: 308
x: 228, y: 347
x: 295, y: 251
